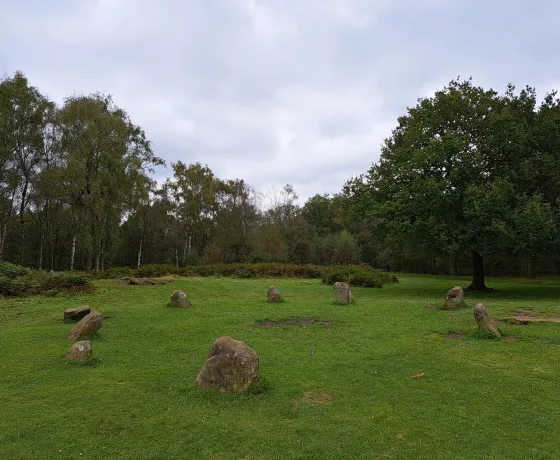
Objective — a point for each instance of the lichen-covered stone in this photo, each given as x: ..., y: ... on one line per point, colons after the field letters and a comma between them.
x: 180, y: 299
x: 455, y: 299
x: 273, y: 294
x: 87, y: 326
x: 485, y: 321
x: 80, y: 351
x: 231, y: 366
x: 76, y: 313
x: 343, y: 292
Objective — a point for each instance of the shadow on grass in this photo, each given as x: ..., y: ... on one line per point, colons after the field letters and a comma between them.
x: 93, y: 362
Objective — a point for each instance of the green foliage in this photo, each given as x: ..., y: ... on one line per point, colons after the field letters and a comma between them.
x: 116, y: 272
x: 12, y: 271
x: 12, y: 286
x: 154, y: 271
x: 461, y: 175
x: 357, y: 275
x: 22, y: 280
x: 61, y: 281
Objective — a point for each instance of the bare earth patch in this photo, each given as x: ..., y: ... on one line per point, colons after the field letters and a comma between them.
x: 532, y: 319
x: 294, y: 321
x: 528, y: 312
x: 455, y: 335
x: 313, y: 397
x: 510, y: 338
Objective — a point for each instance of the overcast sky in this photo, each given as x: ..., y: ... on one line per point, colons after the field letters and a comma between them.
x: 276, y: 91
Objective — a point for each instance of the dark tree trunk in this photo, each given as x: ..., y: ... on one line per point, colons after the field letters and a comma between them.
x: 531, y: 269
x: 88, y: 264
x: 453, y: 266
x: 477, y: 283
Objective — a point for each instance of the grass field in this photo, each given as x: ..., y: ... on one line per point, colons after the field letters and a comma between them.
x: 354, y: 397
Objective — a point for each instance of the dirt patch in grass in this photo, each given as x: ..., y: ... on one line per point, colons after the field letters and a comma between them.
x: 292, y: 322
x: 532, y: 319
x: 312, y: 397
x: 456, y: 335
x: 529, y: 312
x: 510, y: 338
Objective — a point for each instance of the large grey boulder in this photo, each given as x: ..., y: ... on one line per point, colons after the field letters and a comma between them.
x: 454, y: 299
x: 179, y: 299
x: 87, y: 326
x: 273, y: 294
x: 76, y: 313
x: 485, y: 321
x: 343, y: 292
x: 231, y: 366
x: 80, y: 351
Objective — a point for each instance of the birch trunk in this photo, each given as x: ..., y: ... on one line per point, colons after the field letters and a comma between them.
x: 140, y: 253
x: 73, y: 252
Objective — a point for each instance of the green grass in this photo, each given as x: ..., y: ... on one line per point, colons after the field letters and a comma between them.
x: 479, y: 398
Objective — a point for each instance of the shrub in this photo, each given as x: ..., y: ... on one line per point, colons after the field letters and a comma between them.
x: 50, y: 283
x: 117, y: 272
x: 356, y: 275
x: 12, y: 271
x: 155, y: 270
x: 11, y: 287
x: 64, y: 281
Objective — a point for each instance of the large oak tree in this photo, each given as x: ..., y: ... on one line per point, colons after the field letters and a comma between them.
x: 469, y: 171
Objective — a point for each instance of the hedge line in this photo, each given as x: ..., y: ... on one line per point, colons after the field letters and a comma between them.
x: 356, y: 275
x: 17, y: 280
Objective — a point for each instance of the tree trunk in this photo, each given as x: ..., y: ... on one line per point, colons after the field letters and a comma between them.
x: 477, y: 283
x: 3, y: 233
x: 41, y: 253
x: 138, y: 265
x: 454, y: 266
x: 88, y: 264
x: 73, y: 253
x: 531, y: 269
x: 22, y: 242
x: 185, y: 250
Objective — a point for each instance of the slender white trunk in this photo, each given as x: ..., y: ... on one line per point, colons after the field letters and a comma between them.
x: 73, y: 253
x: 140, y: 253
x: 176, y: 258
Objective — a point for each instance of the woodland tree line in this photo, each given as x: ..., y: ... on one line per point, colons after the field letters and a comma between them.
x: 468, y: 182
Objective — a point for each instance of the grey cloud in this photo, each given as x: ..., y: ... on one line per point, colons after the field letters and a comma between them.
x: 277, y: 91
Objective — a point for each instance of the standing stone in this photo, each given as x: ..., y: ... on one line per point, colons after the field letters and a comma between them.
x: 343, y: 292
x: 231, y: 366
x: 485, y: 321
x: 80, y: 351
x: 455, y: 298
x: 87, y: 326
x: 274, y: 294
x: 179, y: 299
x: 76, y: 313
